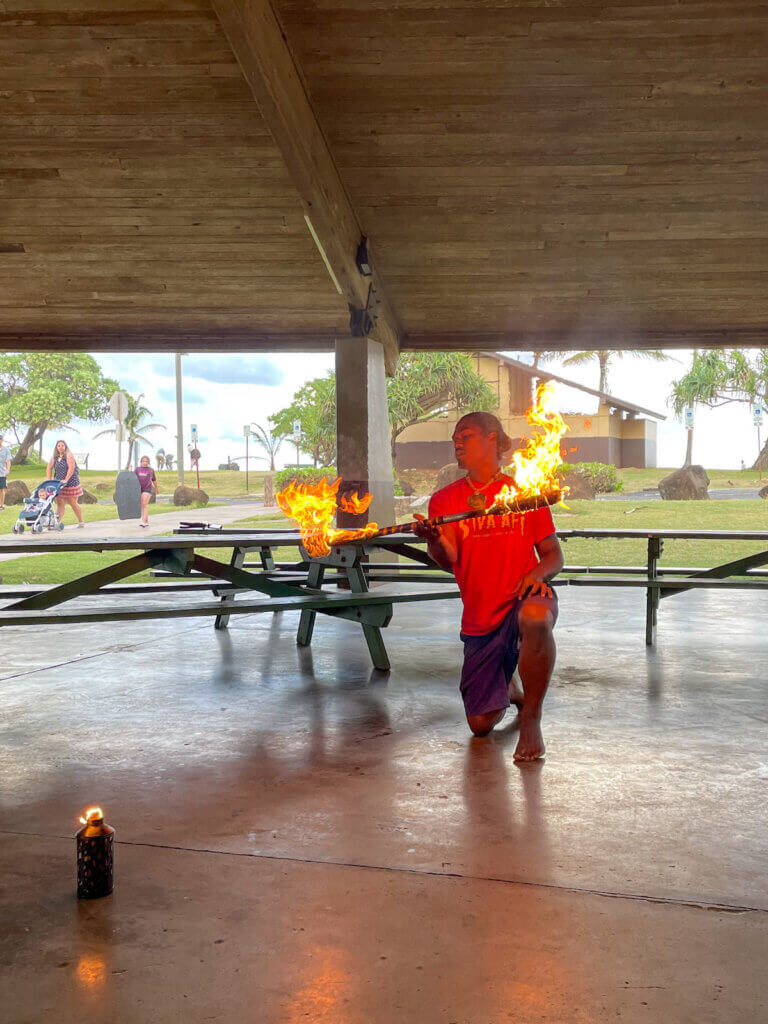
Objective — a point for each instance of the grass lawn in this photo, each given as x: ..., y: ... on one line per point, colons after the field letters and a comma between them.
x: 659, y: 515
x: 708, y: 515
x: 216, y: 483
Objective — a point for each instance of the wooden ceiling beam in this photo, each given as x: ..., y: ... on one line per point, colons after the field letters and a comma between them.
x: 202, y: 338
x: 262, y: 51
x: 583, y: 337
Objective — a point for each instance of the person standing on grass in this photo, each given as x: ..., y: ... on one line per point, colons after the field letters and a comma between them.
x: 148, y: 482
x: 62, y: 467
x: 5, y: 469
x: 503, y: 572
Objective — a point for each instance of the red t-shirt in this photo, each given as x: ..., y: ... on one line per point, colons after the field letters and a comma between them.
x: 494, y: 553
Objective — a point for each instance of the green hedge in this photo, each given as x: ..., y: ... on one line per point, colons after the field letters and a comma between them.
x: 228, y: 465
x: 602, y: 477
x: 305, y: 475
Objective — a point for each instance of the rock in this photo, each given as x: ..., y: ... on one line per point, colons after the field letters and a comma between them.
x: 189, y: 496
x: 764, y: 492
x: 102, y: 486
x: 448, y: 474
x: 687, y: 484
x: 406, y: 488
x: 86, y: 498
x: 579, y: 487
x: 16, y: 492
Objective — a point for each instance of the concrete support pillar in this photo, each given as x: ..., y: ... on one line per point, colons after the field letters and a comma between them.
x: 362, y: 425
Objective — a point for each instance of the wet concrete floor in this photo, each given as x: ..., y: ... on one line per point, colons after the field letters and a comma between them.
x: 303, y: 839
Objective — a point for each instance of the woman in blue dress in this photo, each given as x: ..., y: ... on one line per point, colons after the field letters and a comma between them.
x: 62, y: 466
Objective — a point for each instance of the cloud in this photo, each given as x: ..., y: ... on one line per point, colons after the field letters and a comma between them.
x: 234, y: 369
x: 190, y: 396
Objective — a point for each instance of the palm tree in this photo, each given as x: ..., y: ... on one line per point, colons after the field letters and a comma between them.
x: 267, y: 441
x: 604, y: 356
x: 135, y: 424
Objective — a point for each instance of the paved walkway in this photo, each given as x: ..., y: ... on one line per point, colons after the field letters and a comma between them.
x: 159, y: 523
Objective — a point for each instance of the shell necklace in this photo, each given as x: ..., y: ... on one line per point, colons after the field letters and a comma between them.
x: 477, y: 499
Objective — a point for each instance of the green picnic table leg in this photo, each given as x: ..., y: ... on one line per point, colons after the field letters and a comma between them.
x: 307, y: 620
x: 652, y: 594
x: 373, y: 637
x: 222, y: 620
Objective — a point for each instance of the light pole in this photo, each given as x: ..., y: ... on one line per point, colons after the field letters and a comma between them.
x: 246, y: 434
x: 179, y: 423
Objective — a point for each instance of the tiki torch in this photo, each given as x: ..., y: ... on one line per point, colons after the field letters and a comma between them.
x: 501, y: 507
x: 95, y: 843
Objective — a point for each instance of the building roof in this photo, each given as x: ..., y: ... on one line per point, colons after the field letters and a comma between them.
x: 605, y: 398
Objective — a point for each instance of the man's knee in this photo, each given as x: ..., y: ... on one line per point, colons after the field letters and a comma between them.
x: 481, y: 725
x: 536, y: 621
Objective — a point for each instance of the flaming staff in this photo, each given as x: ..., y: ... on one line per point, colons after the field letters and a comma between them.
x: 534, y: 468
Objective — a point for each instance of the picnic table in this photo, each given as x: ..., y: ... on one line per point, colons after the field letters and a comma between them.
x: 344, y: 584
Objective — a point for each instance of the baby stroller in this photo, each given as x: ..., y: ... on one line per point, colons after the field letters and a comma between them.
x: 39, y: 510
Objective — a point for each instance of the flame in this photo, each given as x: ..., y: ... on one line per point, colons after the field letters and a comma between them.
x: 92, y: 814
x: 313, y: 506
x: 535, y: 465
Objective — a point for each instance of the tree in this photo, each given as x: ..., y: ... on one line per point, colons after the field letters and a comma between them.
x: 268, y: 441
x: 135, y: 424
x: 604, y: 357
x: 42, y: 391
x: 428, y: 384
x: 314, y: 406
x: 719, y: 377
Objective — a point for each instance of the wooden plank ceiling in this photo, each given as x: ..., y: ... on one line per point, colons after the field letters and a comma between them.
x: 141, y: 196
x: 542, y: 172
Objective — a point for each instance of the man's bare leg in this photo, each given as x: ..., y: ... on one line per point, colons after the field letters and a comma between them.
x: 537, y: 659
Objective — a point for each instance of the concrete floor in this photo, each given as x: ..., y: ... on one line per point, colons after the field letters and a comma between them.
x: 301, y: 839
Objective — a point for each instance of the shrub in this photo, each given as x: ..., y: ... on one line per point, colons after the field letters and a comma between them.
x: 305, y: 475
x: 602, y: 477
x: 228, y: 465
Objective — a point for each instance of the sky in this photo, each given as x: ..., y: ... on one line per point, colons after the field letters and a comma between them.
x: 224, y: 392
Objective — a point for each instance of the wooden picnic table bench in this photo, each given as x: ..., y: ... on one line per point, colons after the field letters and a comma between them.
x: 184, y: 567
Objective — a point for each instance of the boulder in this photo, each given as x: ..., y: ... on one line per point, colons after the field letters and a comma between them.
x: 406, y: 488
x: 448, y: 474
x: 687, y: 484
x: 16, y: 492
x: 579, y: 487
x: 86, y: 498
x: 764, y: 492
x: 189, y: 496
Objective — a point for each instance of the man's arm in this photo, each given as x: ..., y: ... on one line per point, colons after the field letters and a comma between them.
x: 551, y: 561
x: 441, y: 543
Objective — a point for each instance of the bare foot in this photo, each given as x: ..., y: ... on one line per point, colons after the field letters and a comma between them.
x: 516, y: 695
x: 530, y: 746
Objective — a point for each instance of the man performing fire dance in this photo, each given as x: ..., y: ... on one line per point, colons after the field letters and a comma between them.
x: 503, y: 573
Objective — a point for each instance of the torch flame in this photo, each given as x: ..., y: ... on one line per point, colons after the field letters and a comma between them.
x: 92, y: 814
x: 536, y: 464
x: 313, y: 506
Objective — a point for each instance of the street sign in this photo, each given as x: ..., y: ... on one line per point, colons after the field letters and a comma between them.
x: 118, y: 406
x: 297, y: 428
x: 689, y: 417
x: 193, y: 428
x: 757, y: 413
x: 247, y: 430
